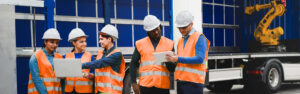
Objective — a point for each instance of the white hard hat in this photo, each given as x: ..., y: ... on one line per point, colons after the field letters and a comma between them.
x: 184, y: 18
x: 151, y: 22
x: 75, y: 33
x: 110, y: 30
x: 51, y: 33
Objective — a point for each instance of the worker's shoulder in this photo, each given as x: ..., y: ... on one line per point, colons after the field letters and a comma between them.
x: 142, y: 40
x: 167, y: 39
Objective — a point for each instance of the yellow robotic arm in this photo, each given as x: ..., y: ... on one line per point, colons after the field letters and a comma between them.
x: 262, y: 34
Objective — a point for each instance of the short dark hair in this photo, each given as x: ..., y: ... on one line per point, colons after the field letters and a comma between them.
x: 108, y: 36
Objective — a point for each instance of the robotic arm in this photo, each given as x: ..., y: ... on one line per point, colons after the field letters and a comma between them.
x: 262, y: 33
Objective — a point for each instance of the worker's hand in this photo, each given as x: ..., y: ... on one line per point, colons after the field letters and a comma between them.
x: 172, y: 58
x: 136, y: 88
x: 88, y: 75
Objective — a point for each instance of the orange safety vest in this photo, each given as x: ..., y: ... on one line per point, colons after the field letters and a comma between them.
x: 106, y: 79
x: 191, y: 72
x: 80, y: 84
x: 47, y: 75
x: 153, y: 74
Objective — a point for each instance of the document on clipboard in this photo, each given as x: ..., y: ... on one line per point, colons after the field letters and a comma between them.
x: 160, y: 57
x: 67, y: 67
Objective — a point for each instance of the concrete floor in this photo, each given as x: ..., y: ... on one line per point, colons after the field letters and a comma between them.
x: 286, y: 88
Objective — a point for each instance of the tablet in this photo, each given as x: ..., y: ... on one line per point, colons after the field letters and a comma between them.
x: 67, y: 67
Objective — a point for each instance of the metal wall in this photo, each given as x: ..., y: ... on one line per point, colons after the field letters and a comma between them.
x: 8, y: 50
x: 221, y: 24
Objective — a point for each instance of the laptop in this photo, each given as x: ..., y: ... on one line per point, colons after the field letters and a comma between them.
x: 67, y: 67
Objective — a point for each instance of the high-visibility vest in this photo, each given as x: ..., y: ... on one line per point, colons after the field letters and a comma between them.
x: 80, y: 84
x: 153, y: 74
x: 106, y: 79
x: 47, y: 75
x: 191, y: 72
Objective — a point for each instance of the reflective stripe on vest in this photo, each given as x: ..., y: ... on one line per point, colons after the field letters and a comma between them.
x: 84, y: 83
x: 154, y: 73
x: 70, y: 82
x: 110, y: 86
x: 50, y: 80
x: 32, y: 90
x: 48, y: 89
x: 151, y: 63
x: 110, y: 75
x: 190, y: 70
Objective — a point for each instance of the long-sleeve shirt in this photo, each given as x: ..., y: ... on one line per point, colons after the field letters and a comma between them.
x: 135, y: 59
x: 200, y: 49
x: 34, y: 71
x: 114, y: 61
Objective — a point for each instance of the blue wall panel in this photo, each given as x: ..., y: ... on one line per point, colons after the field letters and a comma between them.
x: 124, y: 9
x: 140, y: 9
x: 210, y: 1
x: 64, y: 28
x: 208, y: 32
x: 22, y: 74
x: 65, y: 7
x: 156, y: 8
x: 125, y: 35
x: 40, y: 32
x: 139, y: 32
x: 229, y: 35
x: 207, y: 13
x: 219, y: 37
x: 90, y: 30
x: 219, y: 1
x: 23, y: 34
x: 228, y: 15
x: 87, y: 8
x: 229, y: 2
x: 167, y: 10
x: 100, y: 8
x: 22, y: 9
x: 219, y: 18
x: 38, y: 10
x: 168, y: 32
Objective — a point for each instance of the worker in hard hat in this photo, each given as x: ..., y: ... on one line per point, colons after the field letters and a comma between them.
x: 79, y: 85
x: 154, y: 76
x: 109, y: 64
x: 42, y: 79
x: 191, y: 56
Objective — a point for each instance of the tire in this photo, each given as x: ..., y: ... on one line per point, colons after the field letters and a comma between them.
x: 126, y: 84
x: 224, y: 86
x: 273, y: 76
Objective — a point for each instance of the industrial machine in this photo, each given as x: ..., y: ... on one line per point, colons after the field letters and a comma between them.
x: 269, y: 37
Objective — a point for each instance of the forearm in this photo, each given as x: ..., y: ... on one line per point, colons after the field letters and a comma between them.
x: 191, y: 60
x: 134, y: 65
x: 94, y: 64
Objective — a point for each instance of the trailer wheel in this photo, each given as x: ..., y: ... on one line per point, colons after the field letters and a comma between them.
x: 126, y: 84
x: 273, y: 76
x: 224, y: 86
